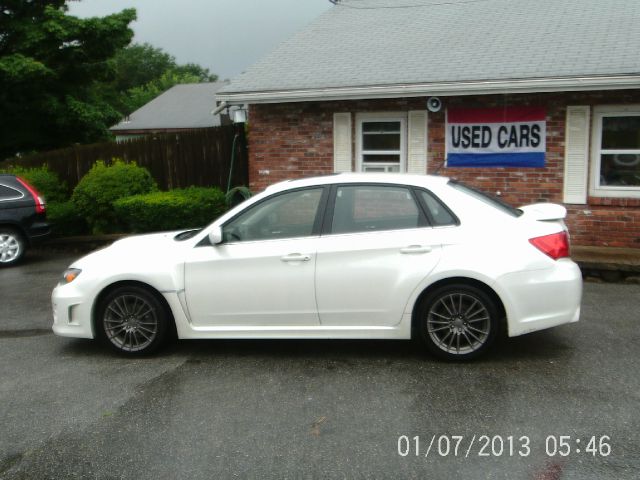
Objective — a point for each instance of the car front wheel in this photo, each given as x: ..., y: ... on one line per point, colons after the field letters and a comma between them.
x: 12, y: 247
x: 458, y: 322
x: 132, y: 320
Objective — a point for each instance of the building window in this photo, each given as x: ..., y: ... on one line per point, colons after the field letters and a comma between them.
x: 381, y: 140
x: 616, y: 152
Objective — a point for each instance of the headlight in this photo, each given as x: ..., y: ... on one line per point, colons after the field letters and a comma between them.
x: 70, y: 275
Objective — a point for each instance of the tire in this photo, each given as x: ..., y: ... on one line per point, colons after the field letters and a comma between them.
x: 12, y: 247
x: 133, y: 321
x: 458, y: 322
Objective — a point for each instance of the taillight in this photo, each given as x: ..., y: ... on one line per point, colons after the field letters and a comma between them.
x: 555, y: 245
x: 39, y: 199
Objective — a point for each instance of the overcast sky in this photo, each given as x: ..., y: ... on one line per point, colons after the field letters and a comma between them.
x: 226, y: 36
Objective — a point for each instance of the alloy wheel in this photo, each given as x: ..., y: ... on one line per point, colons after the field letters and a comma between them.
x: 10, y: 248
x: 130, y: 322
x: 458, y: 323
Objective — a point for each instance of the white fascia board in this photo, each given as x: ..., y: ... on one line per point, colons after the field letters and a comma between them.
x: 489, y: 87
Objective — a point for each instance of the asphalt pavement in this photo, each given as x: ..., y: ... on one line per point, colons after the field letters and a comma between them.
x: 317, y: 409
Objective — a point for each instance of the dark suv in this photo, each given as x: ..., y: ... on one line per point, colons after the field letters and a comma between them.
x: 22, y: 218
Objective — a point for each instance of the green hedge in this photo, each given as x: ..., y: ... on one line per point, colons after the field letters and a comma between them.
x: 66, y: 219
x: 173, y: 210
x: 44, y: 180
x: 95, y: 194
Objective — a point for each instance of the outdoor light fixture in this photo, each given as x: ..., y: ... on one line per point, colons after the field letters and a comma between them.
x: 239, y: 116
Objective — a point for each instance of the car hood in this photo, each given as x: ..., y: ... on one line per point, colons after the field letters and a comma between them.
x: 147, y: 241
x: 137, y: 250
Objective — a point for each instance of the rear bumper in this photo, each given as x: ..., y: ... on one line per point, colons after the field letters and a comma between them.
x: 38, y: 233
x: 535, y: 300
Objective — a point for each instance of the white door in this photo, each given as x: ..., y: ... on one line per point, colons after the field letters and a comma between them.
x: 377, y: 252
x: 263, y: 273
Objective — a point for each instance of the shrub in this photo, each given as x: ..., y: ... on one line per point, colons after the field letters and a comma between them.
x: 44, y: 180
x: 66, y: 219
x: 102, y: 186
x: 173, y: 210
x: 237, y: 195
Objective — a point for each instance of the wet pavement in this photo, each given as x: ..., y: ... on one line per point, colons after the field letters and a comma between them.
x: 317, y: 409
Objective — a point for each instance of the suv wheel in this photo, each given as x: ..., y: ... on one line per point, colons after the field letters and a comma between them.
x: 12, y: 247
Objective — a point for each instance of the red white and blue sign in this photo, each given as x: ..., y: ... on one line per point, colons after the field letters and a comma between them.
x: 496, y: 137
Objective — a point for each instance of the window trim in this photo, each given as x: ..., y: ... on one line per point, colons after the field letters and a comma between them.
x: 595, y: 189
x: 382, y: 117
x: 20, y: 196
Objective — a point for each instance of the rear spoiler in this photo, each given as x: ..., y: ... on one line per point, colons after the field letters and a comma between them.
x: 544, y: 211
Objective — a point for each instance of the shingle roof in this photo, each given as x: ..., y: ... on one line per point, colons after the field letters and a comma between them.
x: 182, y: 106
x: 361, y: 43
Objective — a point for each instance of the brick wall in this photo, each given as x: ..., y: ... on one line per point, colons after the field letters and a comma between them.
x: 293, y: 140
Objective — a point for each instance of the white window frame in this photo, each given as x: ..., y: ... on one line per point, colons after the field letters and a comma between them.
x: 595, y: 189
x: 382, y: 117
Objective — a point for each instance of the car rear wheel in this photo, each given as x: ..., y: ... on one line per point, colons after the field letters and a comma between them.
x: 12, y: 247
x: 458, y: 322
x: 132, y: 320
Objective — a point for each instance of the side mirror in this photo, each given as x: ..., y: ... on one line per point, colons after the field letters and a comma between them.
x: 215, y: 235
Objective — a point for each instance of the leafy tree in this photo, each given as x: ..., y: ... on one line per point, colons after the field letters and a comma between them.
x: 51, y: 67
x: 139, y: 64
x: 138, y: 96
x: 143, y: 72
x: 195, y: 70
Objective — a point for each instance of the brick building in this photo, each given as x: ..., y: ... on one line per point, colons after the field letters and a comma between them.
x: 371, y: 88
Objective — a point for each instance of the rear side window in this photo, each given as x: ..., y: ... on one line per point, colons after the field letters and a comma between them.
x: 366, y: 208
x: 486, y: 198
x: 440, y: 215
x: 8, y: 193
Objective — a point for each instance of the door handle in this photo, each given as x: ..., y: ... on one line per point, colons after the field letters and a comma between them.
x: 296, y: 257
x: 415, y: 249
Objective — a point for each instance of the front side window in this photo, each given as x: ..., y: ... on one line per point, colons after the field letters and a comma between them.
x: 616, y: 152
x: 288, y: 215
x: 366, y: 208
x: 381, y: 143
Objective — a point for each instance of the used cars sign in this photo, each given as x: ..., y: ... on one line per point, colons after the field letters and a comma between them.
x: 496, y: 137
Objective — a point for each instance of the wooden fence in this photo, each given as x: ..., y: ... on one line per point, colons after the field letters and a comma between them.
x: 175, y: 160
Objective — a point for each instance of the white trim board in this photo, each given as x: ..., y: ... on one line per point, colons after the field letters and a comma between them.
x: 479, y: 87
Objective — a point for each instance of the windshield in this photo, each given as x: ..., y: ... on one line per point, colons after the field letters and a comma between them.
x: 486, y: 198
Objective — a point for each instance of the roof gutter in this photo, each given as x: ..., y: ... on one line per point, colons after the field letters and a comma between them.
x: 484, y: 87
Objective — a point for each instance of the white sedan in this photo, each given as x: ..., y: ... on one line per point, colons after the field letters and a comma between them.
x: 341, y: 256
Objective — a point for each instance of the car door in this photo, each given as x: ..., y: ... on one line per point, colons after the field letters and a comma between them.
x: 377, y: 249
x: 262, y: 274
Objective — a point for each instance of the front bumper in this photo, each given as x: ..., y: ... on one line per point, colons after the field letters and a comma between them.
x: 71, y: 315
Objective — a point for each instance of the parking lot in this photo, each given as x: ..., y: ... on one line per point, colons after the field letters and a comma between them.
x: 317, y: 409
